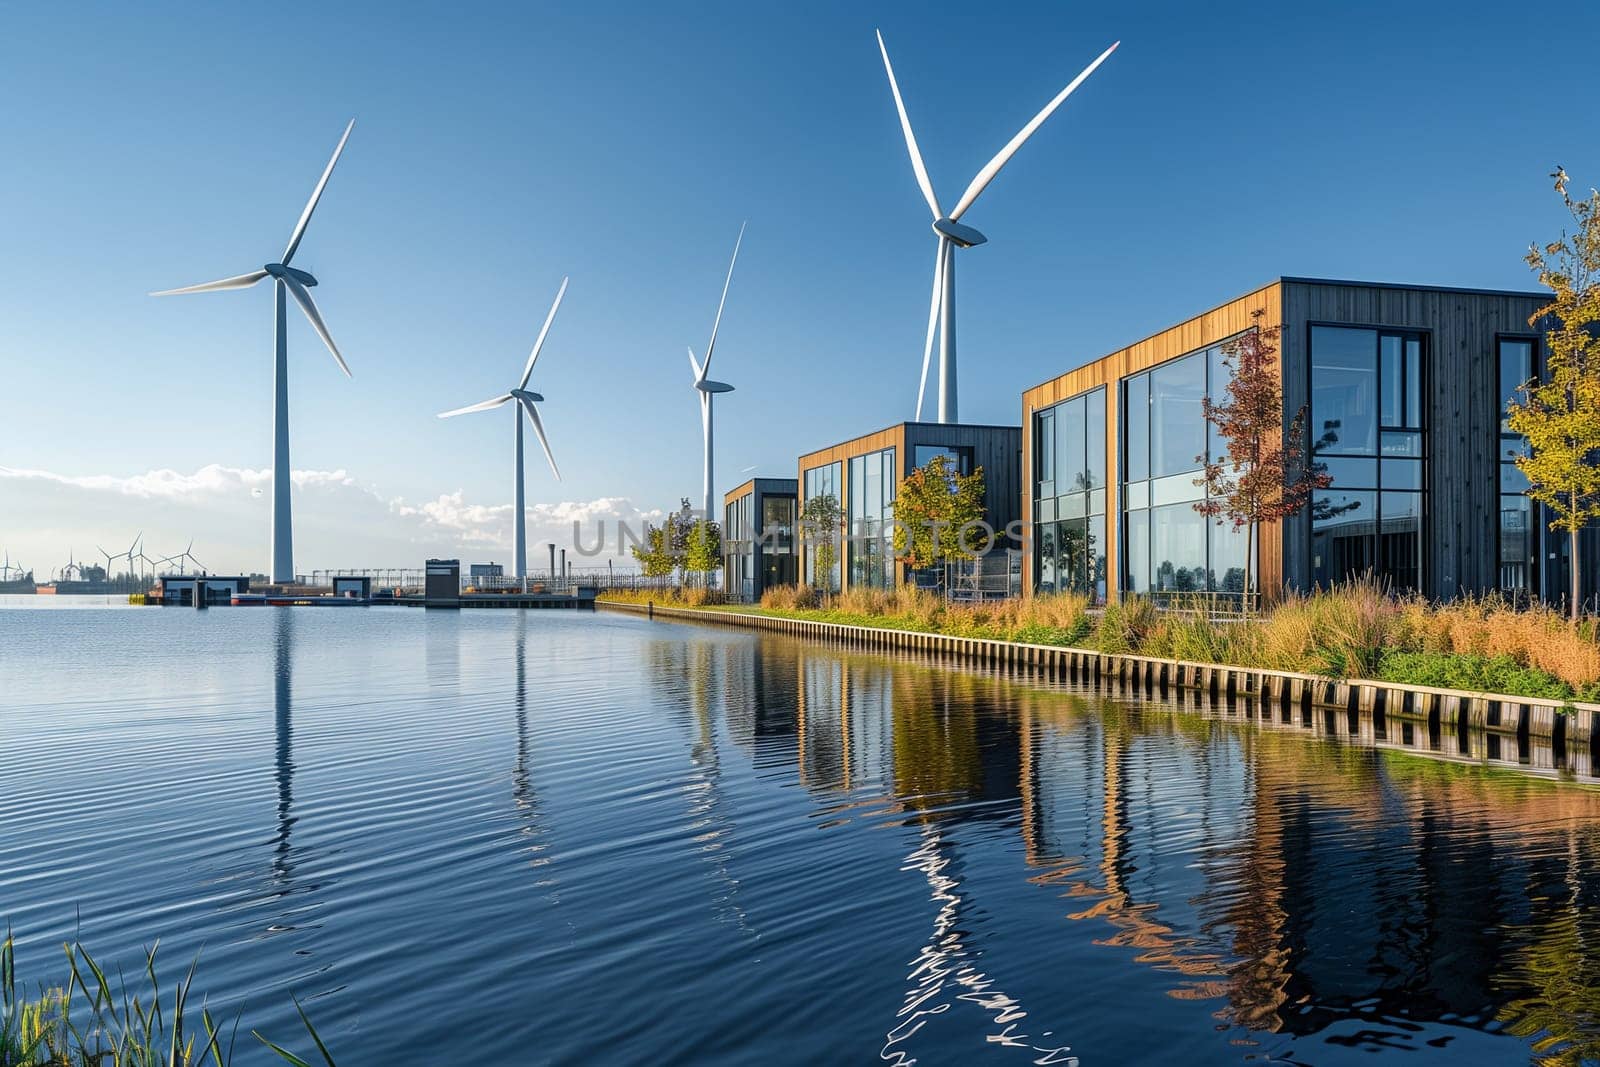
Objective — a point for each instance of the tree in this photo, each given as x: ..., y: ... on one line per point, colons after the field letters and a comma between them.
x: 819, y: 528
x: 654, y: 553
x: 1264, y: 476
x: 933, y: 506
x: 703, y: 550
x: 1559, y: 416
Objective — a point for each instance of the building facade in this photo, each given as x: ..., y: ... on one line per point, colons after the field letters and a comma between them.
x: 863, y: 474
x: 1404, y: 391
x: 758, y: 540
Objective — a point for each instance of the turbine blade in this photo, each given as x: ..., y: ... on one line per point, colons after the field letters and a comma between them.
x: 302, y: 296
x: 527, y: 372
x: 990, y: 169
x: 933, y: 321
x: 238, y: 281
x: 538, y: 431
x: 911, y: 138
x: 694, y: 365
x: 484, y: 406
x: 316, y: 194
x: 706, y: 366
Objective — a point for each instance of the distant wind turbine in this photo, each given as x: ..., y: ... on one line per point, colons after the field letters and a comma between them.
x: 708, y: 388
x: 526, y: 402
x: 953, y: 235
x: 288, y: 281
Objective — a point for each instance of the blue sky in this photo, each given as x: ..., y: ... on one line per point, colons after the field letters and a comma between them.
x: 498, y: 148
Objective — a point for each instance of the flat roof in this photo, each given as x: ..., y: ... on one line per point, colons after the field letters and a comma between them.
x: 1294, y: 279
x: 912, y: 422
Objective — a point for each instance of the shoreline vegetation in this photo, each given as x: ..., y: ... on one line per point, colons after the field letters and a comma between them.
x: 1352, y: 631
x: 86, y: 1021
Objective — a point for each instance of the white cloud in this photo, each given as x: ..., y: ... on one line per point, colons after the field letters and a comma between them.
x: 339, y: 522
x: 169, y: 484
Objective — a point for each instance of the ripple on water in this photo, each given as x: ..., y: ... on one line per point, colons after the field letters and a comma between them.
x: 579, y: 838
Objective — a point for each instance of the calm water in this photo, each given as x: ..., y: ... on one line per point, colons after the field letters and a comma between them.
x: 550, y: 837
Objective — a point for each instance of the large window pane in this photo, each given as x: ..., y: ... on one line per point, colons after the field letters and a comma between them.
x: 1217, y: 390
x: 1400, y: 547
x: 1344, y: 413
x: 1046, y: 555
x: 1097, y: 557
x: 1227, y: 557
x: 1095, y: 428
x: 1413, y: 383
x: 1516, y: 367
x: 1136, y: 552
x: 1177, y: 421
x: 1516, y: 543
x: 1136, y: 428
x: 1391, y: 380
x: 1072, y: 568
x: 1176, y: 489
x: 1070, y: 457
x: 1343, y: 535
x: 1045, y: 454
x: 1178, y: 548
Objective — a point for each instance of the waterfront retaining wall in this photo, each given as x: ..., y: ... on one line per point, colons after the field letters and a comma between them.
x: 1285, y: 691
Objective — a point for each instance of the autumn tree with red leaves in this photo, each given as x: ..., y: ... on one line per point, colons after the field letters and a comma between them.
x: 1265, y: 476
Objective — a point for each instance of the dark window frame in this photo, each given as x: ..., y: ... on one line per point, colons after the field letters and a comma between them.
x: 1424, y: 433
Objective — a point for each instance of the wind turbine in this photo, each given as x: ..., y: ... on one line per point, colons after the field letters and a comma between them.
x: 526, y: 401
x: 708, y: 388
x: 287, y: 281
x: 953, y: 235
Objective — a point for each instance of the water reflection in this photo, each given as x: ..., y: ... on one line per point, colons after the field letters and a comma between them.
x: 523, y: 797
x: 283, y: 756
x: 1301, y: 887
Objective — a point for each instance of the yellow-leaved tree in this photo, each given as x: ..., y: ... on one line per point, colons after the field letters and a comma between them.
x: 1559, y: 414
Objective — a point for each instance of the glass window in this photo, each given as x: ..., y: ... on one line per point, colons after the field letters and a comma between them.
x: 1136, y: 552
x: 1047, y: 557
x: 818, y: 482
x: 1217, y: 390
x: 1096, y: 551
x: 960, y: 457
x: 1072, y: 567
x: 1414, y: 382
x: 1045, y: 452
x: 1400, y: 549
x: 1136, y: 427
x: 1516, y: 367
x: 1095, y: 474
x: 1070, y: 457
x: 1517, y: 543
x: 1227, y: 557
x: 1344, y: 416
x: 1178, y: 548
x: 1177, y: 422
x: 872, y: 487
x: 1343, y: 535
x: 1391, y: 380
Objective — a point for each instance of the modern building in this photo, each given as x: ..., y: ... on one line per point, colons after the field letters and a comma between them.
x: 1404, y: 389
x: 863, y: 474
x: 758, y: 549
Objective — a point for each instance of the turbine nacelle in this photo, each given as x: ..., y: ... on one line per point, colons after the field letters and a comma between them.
x: 705, y: 385
x: 957, y: 234
x: 524, y: 394
x: 280, y: 270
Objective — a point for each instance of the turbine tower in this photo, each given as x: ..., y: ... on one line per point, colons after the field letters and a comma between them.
x: 708, y: 388
x: 526, y: 402
x: 287, y: 281
x: 953, y: 235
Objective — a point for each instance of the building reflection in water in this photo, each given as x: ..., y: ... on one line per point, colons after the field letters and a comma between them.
x: 1295, y: 882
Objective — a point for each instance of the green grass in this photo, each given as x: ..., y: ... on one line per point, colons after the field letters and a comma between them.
x: 1481, y: 674
x: 85, y: 1021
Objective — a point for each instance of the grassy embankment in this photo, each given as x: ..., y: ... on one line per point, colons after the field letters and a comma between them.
x: 86, y: 1022
x: 1353, y: 631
